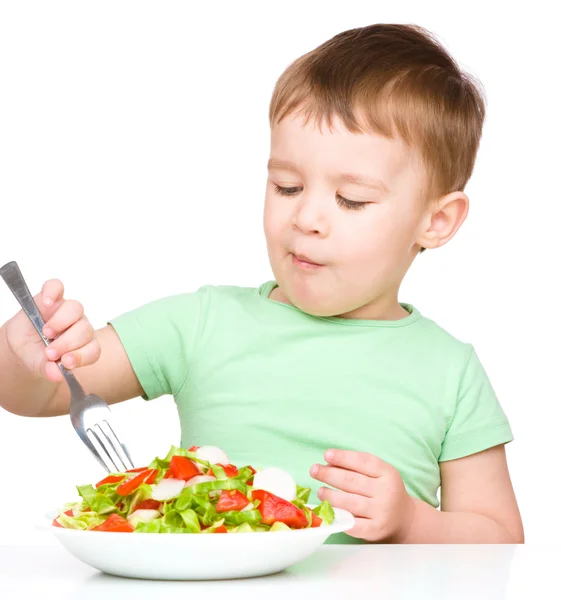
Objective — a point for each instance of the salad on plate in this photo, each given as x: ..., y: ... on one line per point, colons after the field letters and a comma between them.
x: 195, y: 490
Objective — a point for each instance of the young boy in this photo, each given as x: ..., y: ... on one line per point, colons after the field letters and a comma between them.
x: 374, y: 136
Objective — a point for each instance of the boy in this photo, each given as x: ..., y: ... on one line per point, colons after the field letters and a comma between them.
x: 374, y: 136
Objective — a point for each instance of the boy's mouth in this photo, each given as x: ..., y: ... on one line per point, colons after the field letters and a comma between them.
x: 304, y: 262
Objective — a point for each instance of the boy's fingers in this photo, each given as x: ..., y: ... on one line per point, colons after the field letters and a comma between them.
x: 360, y: 462
x: 49, y: 298
x: 359, y: 506
x: 70, y: 312
x: 53, y: 290
x: 83, y: 357
x: 342, y: 479
x: 77, y: 336
x: 362, y: 529
x: 51, y: 371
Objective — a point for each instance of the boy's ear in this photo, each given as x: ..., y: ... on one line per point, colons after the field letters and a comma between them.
x: 444, y: 220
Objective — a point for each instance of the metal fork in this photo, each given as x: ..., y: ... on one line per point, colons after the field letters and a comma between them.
x: 90, y: 415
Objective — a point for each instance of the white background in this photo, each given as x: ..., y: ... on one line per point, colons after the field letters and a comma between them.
x: 133, y: 150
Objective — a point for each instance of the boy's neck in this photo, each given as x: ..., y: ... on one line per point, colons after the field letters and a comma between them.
x: 382, y: 309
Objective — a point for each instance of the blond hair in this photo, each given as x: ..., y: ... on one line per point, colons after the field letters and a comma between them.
x: 395, y: 80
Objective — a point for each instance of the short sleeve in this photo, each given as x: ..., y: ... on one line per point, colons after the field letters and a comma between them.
x: 160, y: 340
x: 479, y: 421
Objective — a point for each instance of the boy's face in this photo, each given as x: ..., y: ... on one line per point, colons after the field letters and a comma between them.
x: 343, y: 214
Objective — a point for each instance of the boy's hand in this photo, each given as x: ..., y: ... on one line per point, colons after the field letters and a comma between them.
x: 371, y: 490
x: 74, y: 342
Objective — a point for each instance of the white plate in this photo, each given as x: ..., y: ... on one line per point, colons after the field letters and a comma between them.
x: 183, y: 556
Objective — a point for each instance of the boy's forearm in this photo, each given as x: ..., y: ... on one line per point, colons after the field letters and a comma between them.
x: 20, y: 392
x: 432, y: 526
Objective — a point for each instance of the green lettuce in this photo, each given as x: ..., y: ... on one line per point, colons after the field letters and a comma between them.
x: 236, y: 517
x: 325, y: 512
x: 97, y: 501
x: 84, y: 520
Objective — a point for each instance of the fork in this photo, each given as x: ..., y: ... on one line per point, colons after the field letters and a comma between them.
x: 90, y: 415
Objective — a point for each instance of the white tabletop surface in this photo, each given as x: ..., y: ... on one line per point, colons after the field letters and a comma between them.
x: 385, y: 572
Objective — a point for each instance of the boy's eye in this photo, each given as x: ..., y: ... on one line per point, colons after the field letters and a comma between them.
x: 343, y: 202
x: 287, y: 191
x: 350, y: 204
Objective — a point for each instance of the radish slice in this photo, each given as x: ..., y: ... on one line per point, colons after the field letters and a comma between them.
x: 144, y: 515
x: 213, y: 455
x: 168, y: 489
x: 275, y: 481
x: 199, y: 479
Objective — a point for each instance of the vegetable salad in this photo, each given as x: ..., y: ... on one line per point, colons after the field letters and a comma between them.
x: 195, y: 490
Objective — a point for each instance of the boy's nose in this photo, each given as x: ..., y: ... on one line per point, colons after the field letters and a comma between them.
x: 309, y: 216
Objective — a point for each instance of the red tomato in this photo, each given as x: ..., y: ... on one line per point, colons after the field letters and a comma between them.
x: 137, y: 470
x: 183, y: 468
x: 250, y: 480
x: 110, y: 479
x: 115, y: 523
x: 131, y: 484
x: 149, y: 504
x: 230, y: 470
x: 221, y: 529
x: 193, y: 448
x: 57, y: 524
x: 231, y: 500
x: 273, y: 508
x: 316, y: 521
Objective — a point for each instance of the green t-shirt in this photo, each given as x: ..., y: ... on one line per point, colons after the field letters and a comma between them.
x: 274, y: 386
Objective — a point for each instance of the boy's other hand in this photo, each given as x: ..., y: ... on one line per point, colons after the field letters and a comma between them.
x: 74, y: 341
x: 370, y: 489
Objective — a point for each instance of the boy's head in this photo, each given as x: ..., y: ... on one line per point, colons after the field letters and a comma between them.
x: 374, y: 136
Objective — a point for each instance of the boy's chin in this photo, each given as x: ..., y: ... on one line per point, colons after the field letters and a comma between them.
x: 313, y: 301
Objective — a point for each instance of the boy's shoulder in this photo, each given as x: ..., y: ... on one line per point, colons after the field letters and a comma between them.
x: 440, y: 342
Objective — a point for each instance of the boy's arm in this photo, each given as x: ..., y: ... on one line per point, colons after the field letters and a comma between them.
x: 111, y: 377
x: 478, y: 504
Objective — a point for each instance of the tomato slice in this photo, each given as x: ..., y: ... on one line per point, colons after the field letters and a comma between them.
x: 110, y: 479
x: 115, y: 523
x: 66, y: 512
x: 231, y: 500
x: 250, y: 480
x: 137, y: 470
x: 273, y: 508
x: 131, y: 484
x: 230, y: 470
x: 183, y: 468
x: 193, y: 448
x: 221, y: 529
x: 316, y: 521
x: 149, y: 504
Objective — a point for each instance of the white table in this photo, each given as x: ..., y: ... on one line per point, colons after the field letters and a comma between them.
x: 379, y: 571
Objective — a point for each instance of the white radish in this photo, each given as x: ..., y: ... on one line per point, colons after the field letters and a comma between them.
x: 213, y: 455
x: 275, y: 481
x: 200, y: 479
x: 144, y: 515
x: 167, y: 489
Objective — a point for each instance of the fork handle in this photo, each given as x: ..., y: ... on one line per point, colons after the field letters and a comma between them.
x: 13, y: 277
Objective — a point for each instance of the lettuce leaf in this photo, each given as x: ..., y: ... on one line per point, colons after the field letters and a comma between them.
x: 325, y: 512
x: 84, y: 520
x: 236, y: 517
x: 302, y: 494
x: 97, y: 501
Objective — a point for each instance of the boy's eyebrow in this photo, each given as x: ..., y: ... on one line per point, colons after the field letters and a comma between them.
x: 369, y: 182
x: 277, y: 163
